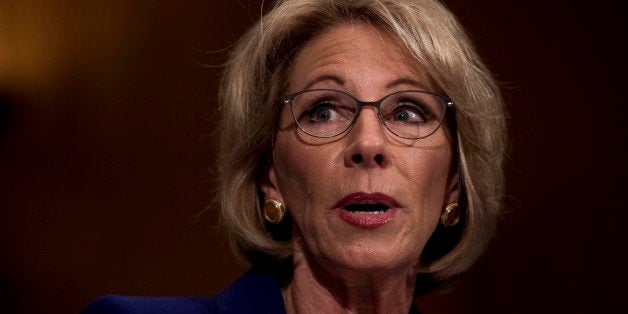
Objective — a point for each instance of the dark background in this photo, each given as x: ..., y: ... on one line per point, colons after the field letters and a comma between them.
x: 106, y: 152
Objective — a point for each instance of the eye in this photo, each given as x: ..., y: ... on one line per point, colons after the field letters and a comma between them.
x: 322, y: 112
x: 325, y: 111
x: 409, y: 112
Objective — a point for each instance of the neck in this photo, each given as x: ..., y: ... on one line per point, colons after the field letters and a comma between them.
x: 314, y: 289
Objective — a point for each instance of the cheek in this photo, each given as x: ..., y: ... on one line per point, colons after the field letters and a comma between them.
x: 302, y: 170
x: 293, y: 169
x: 292, y: 162
x: 309, y: 177
x: 427, y: 163
x: 426, y: 174
x: 428, y: 171
x: 425, y: 171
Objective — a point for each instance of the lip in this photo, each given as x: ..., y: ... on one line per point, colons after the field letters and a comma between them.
x: 367, y: 220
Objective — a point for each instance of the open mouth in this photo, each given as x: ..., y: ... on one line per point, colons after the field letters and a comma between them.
x: 367, y: 208
x: 373, y: 203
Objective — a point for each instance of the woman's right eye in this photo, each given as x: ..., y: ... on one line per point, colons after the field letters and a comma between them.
x: 321, y: 112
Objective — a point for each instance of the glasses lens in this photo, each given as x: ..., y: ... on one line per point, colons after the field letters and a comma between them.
x: 412, y: 114
x: 323, y: 113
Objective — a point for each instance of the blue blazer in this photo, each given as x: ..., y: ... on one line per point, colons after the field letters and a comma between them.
x: 255, y: 292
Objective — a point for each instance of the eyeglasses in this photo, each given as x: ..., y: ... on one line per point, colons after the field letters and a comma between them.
x: 328, y: 113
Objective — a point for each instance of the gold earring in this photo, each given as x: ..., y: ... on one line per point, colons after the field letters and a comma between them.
x: 274, y: 211
x: 450, y: 215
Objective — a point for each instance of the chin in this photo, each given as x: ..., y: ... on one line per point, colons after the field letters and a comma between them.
x: 375, y: 259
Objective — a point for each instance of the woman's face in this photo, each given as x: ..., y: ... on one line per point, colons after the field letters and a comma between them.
x: 366, y: 200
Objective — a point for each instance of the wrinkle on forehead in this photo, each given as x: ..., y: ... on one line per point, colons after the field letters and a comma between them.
x: 329, y: 52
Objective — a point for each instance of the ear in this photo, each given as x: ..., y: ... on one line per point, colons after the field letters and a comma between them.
x: 452, y: 194
x: 269, y: 186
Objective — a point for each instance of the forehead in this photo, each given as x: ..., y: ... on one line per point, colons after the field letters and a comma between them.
x: 356, y: 54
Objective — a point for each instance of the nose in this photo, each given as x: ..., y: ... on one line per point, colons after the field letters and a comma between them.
x: 368, y: 147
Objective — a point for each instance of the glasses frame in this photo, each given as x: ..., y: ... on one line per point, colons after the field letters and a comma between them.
x: 445, y: 100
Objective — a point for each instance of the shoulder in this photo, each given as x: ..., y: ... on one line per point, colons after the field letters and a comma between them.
x: 255, y: 292
x: 136, y: 305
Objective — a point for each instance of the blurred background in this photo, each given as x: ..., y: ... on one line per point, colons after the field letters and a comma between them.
x: 107, y: 110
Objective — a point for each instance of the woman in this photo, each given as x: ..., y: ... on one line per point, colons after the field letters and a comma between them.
x: 361, y: 159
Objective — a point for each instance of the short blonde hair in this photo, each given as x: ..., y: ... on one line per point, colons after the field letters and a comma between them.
x: 257, y: 74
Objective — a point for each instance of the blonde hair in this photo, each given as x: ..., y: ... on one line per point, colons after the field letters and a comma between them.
x: 256, y: 76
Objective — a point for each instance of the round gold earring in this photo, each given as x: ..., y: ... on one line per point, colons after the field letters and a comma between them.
x: 450, y: 215
x: 274, y: 211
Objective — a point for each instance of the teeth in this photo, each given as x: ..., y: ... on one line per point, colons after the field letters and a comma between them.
x: 367, y: 208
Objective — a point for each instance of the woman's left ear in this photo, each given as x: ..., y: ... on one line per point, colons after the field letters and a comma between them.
x: 453, y: 188
x: 269, y: 186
